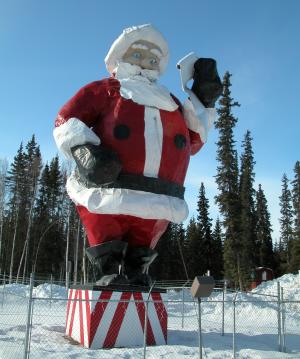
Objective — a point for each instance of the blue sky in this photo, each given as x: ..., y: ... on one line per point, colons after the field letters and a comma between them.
x: 49, y: 49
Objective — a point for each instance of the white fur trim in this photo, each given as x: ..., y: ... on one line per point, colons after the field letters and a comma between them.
x: 198, y: 118
x: 147, y: 94
x: 136, y: 85
x: 153, y: 141
x: 132, y: 34
x: 128, y: 202
x: 72, y: 133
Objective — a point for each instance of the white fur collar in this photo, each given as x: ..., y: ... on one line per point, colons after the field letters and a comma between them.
x: 140, y: 86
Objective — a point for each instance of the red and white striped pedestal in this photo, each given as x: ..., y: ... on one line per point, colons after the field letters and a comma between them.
x: 112, y: 318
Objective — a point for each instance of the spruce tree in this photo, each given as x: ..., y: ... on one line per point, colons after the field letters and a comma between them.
x: 296, y: 200
x: 295, y: 247
x: 169, y: 263
x: 50, y: 220
x: 160, y: 268
x: 217, y: 266
x: 57, y: 193
x: 263, y: 231
x: 177, y: 260
x: 286, y: 223
x: 227, y: 182
x: 204, y: 226
x: 3, y: 194
x: 277, y: 261
x: 16, y: 208
x: 43, y: 196
x: 247, y: 194
x: 33, y: 168
x: 33, y: 162
x: 193, y: 249
x: 42, y: 220
x: 295, y: 256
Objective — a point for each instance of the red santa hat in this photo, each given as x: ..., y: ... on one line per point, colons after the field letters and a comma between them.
x: 132, y: 34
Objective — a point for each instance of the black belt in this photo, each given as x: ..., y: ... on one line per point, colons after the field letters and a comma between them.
x: 140, y: 183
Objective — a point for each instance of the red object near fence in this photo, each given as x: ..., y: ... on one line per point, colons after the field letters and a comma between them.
x: 261, y: 274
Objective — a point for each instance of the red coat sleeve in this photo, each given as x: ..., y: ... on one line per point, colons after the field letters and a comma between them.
x: 196, y: 143
x: 85, y: 105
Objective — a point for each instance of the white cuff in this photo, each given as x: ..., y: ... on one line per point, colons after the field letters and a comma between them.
x: 73, y: 133
x: 198, y: 118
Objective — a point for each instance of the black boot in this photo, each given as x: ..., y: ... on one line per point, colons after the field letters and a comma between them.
x: 108, y: 258
x: 137, y: 263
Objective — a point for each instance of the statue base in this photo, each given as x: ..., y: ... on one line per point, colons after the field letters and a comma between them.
x: 114, y: 316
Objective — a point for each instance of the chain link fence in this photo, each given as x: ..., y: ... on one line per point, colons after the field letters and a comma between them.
x: 233, y: 325
x: 13, y: 319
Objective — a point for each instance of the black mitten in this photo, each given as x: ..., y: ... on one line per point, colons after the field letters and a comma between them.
x: 207, y: 85
x: 96, y: 164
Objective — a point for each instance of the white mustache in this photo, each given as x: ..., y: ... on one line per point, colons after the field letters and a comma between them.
x: 125, y: 70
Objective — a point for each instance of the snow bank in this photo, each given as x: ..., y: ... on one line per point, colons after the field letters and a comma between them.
x: 44, y: 291
x: 256, y: 325
x: 289, y: 282
x: 19, y: 290
x: 41, y: 291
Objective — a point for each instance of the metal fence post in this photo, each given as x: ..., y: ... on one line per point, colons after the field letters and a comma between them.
x: 3, y: 290
x: 145, y: 327
x: 182, y: 309
x: 67, y: 280
x: 283, y: 322
x: 29, y: 318
x: 279, y: 318
x: 234, y: 329
x: 200, y: 328
x: 51, y: 289
x: 223, y: 308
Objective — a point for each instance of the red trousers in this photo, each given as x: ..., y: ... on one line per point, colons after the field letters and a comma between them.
x: 136, y: 231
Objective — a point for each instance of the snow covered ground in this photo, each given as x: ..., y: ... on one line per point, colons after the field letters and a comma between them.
x: 256, y: 325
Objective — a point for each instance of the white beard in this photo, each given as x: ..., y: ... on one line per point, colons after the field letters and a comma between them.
x: 139, y: 85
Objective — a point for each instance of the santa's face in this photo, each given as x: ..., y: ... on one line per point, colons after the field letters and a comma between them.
x: 144, y: 54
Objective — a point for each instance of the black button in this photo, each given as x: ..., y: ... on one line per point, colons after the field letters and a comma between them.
x: 180, y: 141
x: 121, y: 132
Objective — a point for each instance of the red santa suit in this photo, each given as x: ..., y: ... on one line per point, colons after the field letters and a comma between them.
x: 154, y: 137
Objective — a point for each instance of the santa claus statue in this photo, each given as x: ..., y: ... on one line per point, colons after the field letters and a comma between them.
x: 131, y: 141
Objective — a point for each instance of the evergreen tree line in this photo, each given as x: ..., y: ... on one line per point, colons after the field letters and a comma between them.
x: 241, y: 239
x: 244, y: 210
x: 40, y: 230
x: 288, y: 246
